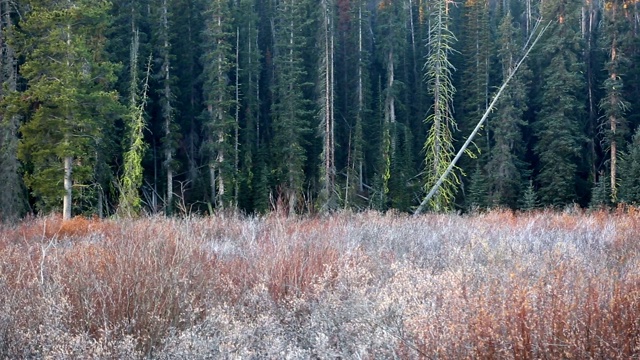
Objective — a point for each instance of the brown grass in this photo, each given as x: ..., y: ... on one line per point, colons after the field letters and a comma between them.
x: 499, y: 285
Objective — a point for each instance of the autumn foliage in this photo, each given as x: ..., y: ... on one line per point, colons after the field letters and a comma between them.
x: 498, y: 285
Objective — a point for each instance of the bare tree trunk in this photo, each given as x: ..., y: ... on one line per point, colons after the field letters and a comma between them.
x: 360, y: 93
x: 328, y: 93
x: 390, y: 114
x: 613, y: 121
x: 168, y: 110
x: 66, y: 200
x: 236, y: 162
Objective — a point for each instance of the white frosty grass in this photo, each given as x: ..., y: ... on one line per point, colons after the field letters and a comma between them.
x: 365, y: 286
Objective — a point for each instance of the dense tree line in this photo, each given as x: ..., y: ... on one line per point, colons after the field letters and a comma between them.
x: 131, y: 106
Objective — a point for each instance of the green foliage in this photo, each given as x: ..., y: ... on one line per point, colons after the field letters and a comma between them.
x: 130, y: 203
x: 630, y: 172
x: 506, y: 169
x: 478, y: 189
x: 529, y: 199
x: 290, y: 108
x: 558, y: 125
x: 600, y: 194
x: 439, y: 148
x: 72, y: 106
x: 218, y: 120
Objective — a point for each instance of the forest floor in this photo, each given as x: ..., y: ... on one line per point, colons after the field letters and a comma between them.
x: 541, y: 285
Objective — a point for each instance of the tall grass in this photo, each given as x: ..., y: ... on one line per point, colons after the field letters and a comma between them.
x: 497, y: 285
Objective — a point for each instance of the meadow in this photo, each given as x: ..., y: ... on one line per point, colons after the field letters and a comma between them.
x: 496, y: 285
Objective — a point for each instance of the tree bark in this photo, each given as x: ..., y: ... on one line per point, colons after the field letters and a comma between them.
x: 66, y: 200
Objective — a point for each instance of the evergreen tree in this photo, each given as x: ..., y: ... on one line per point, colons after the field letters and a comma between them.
x: 630, y: 172
x: 473, y: 97
x: 69, y: 89
x: 439, y: 146
x: 12, y: 201
x: 600, y: 194
x: 506, y: 168
x: 167, y: 83
x: 391, y: 26
x: 249, y: 80
x: 289, y: 109
x: 529, y: 199
x: 558, y: 129
x: 615, y: 35
x: 130, y: 203
x: 187, y: 49
x: 327, y: 198
x: 219, y: 123
x: 360, y: 151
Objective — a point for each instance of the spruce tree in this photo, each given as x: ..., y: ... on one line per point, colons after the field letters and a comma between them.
x: 615, y: 35
x: 506, y: 168
x: 439, y: 147
x: 12, y: 200
x: 289, y: 109
x: 560, y: 143
x: 391, y: 32
x: 361, y: 151
x: 473, y: 97
x: 328, y: 199
x: 69, y: 89
x: 218, y: 119
x: 166, y: 78
x: 630, y: 172
x: 249, y: 58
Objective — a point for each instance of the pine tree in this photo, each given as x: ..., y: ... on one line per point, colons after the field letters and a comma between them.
x: 392, y: 34
x: 167, y: 83
x: 187, y: 49
x: 439, y: 146
x: 473, y: 97
x: 219, y: 122
x: 249, y: 58
x: 69, y: 80
x: 12, y: 201
x: 357, y: 97
x: 130, y: 203
x: 630, y: 172
x: 289, y: 109
x: 327, y: 198
x: 615, y: 35
x: 529, y: 199
x: 558, y: 128
x: 506, y: 168
x: 600, y: 194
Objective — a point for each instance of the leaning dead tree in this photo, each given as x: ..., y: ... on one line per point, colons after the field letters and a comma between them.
x: 528, y: 47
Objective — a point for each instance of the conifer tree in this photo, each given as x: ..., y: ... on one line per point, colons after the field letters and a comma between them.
x: 69, y: 88
x: 506, y: 169
x: 358, y: 155
x: 615, y: 35
x: 249, y: 103
x: 289, y: 110
x: 187, y: 48
x: 630, y: 172
x: 391, y: 32
x: 327, y: 103
x: 473, y: 97
x: 167, y: 80
x: 12, y: 201
x: 219, y: 122
x: 560, y: 141
x: 439, y: 148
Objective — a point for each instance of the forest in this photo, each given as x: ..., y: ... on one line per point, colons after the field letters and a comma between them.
x: 133, y: 107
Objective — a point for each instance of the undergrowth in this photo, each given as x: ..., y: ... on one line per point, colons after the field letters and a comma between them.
x: 498, y: 285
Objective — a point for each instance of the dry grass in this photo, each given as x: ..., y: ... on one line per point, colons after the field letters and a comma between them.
x: 490, y: 286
